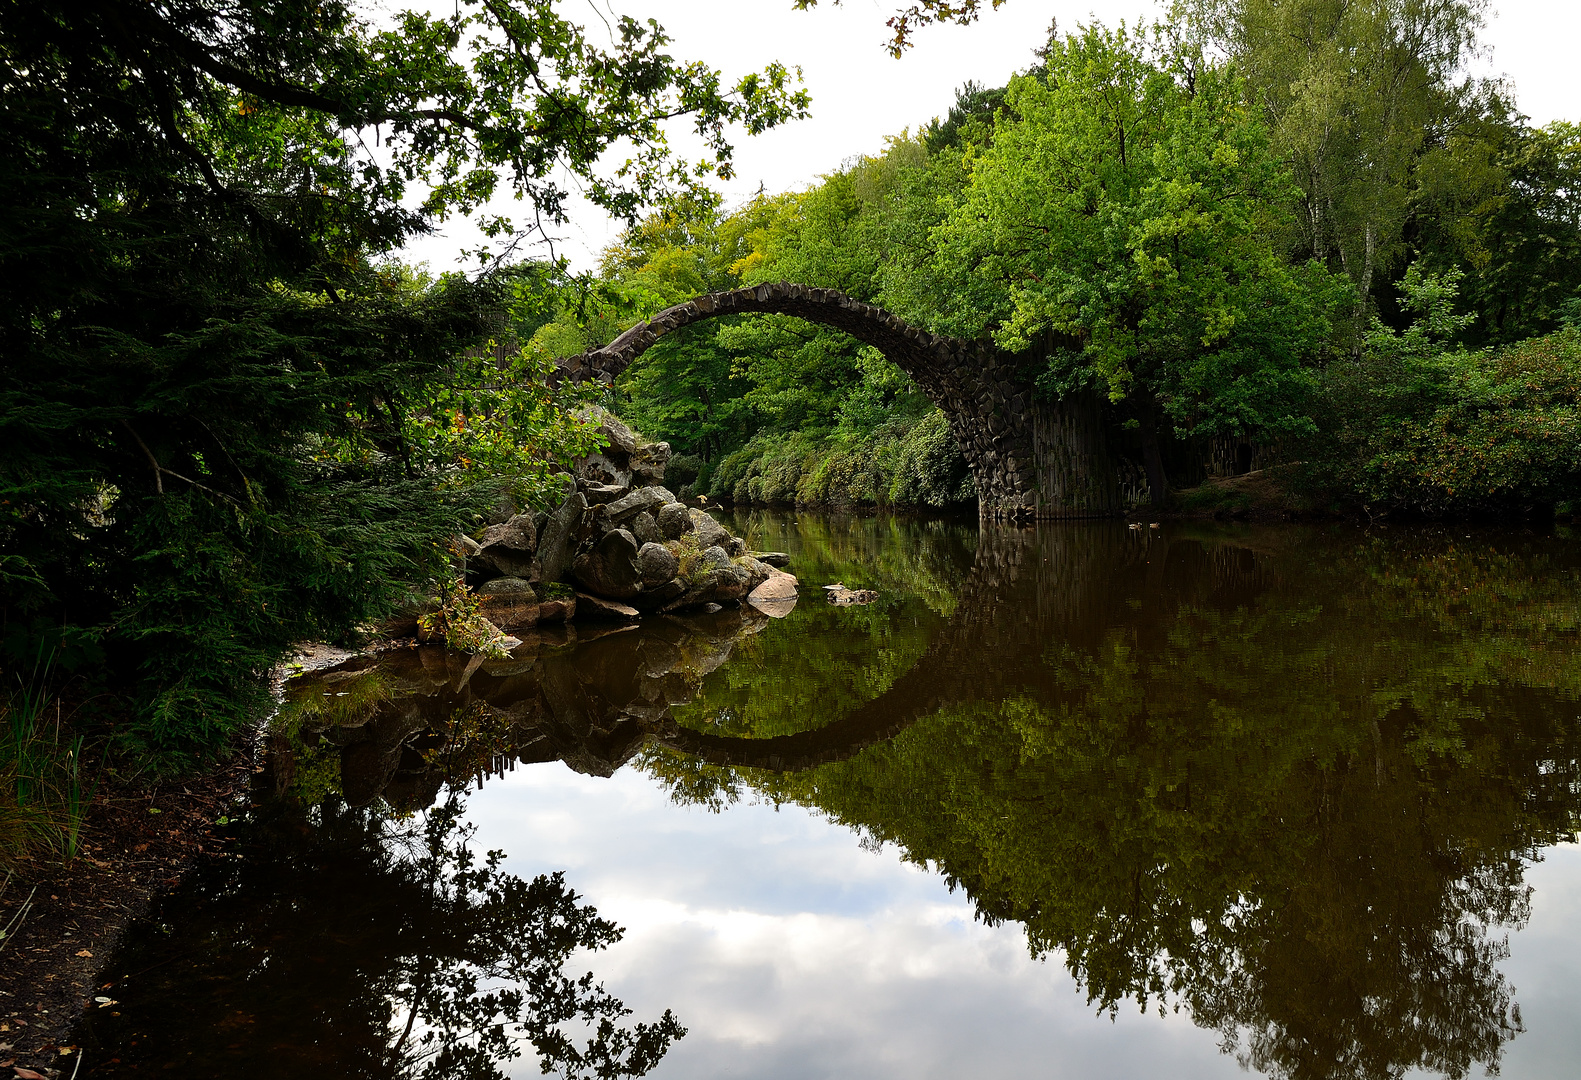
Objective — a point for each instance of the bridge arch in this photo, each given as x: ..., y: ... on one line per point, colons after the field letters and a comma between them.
x: 1028, y: 459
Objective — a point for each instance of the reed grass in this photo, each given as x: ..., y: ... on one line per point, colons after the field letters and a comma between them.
x: 44, y: 794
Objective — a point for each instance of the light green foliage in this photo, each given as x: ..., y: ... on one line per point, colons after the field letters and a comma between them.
x: 1124, y: 217
x: 1357, y: 94
x: 711, y: 388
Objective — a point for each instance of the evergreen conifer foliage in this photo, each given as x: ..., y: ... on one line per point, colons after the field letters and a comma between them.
x: 209, y: 380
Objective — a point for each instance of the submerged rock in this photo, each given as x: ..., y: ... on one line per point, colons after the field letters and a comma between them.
x: 839, y: 594
x: 597, y: 607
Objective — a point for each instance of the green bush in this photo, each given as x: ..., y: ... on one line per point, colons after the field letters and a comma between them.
x: 904, y: 463
x: 1414, y: 424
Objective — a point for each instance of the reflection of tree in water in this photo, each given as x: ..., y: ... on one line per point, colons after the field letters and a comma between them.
x: 1284, y: 779
x: 349, y: 941
x: 1287, y: 783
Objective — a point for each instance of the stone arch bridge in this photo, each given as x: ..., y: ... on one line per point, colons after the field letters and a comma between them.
x: 1030, y: 459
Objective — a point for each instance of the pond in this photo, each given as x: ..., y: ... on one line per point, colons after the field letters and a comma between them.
x: 1082, y: 800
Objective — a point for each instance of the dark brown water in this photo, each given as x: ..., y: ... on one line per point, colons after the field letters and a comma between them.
x: 1080, y: 801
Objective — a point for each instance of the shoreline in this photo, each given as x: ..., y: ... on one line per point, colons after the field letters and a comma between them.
x: 138, y: 842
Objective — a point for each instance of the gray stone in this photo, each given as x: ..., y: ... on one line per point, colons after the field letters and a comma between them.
x: 757, y: 572
x: 603, y: 493
x: 555, y: 541
x: 675, y: 521
x: 638, y: 500
x: 510, y: 547
x: 610, y: 569
x: 597, y: 607
x: 777, y: 559
x: 722, y: 581
x: 506, y: 586
x: 842, y: 596
x: 645, y: 529
x: 736, y: 546
x: 648, y: 462
x: 619, y: 437
x: 657, y: 564
x: 709, y: 532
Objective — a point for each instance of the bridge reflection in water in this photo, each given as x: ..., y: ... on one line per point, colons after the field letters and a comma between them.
x: 1285, y: 778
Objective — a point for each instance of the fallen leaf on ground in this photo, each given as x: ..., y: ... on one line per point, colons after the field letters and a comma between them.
x: 83, y: 952
x: 28, y: 1074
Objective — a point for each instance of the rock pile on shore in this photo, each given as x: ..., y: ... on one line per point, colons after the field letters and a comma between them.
x: 620, y: 546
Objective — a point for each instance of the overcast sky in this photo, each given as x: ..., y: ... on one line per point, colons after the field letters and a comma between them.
x: 860, y: 94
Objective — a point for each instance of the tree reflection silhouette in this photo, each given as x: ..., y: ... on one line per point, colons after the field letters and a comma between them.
x: 1290, y: 789
x: 346, y: 940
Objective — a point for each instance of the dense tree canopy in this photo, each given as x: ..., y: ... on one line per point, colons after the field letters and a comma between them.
x: 217, y: 398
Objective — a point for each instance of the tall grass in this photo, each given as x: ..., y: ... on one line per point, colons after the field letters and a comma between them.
x: 43, y: 794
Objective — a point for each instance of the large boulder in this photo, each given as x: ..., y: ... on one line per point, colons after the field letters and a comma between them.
x: 648, y: 462
x: 555, y: 542
x: 758, y: 572
x: 610, y: 568
x: 720, y: 580
x: 510, y: 547
x: 510, y: 603
x: 657, y: 564
x: 709, y: 532
x: 645, y: 529
x: 619, y: 437
x: 637, y: 501
x: 675, y: 520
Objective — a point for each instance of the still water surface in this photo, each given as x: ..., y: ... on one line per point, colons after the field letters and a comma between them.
x: 1080, y: 801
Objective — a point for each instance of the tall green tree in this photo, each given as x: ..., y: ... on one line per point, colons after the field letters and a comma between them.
x: 1356, y: 93
x: 1120, y: 224
x: 208, y: 376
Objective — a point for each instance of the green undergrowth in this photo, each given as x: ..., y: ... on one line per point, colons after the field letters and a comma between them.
x: 44, y: 792
x: 904, y: 463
